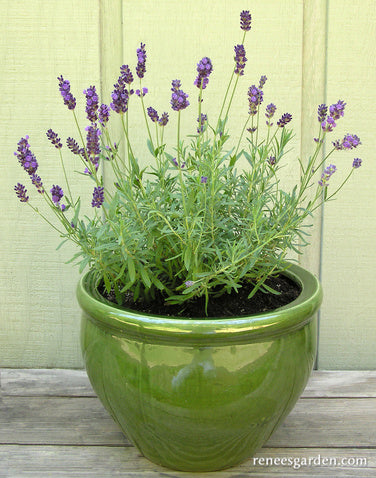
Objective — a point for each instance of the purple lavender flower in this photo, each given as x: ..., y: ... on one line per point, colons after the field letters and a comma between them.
x: 110, y: 152
x: 103, y: 114
x: 53, y: 137
x: 204, y: 68
x: 74, y: 147
x: 201, y: 123
x: 240, y: 59
x: 56, y: 194
x: 120, y: 97
x: 286, y: 118
x: 64, y: 87
x: 36, y: 180
x: 337, y: 110
x: 204, y: 179
x: 262, y: 81
x: 327, y: 173
x: 176, y: 84
x: 25, y: 157
x: 270, y: 110
x: 179, y: 99
x: 98, y: 197
x: 153, y: 115
x: 141, y: 60
x: 350, y: 141
x: 163, y: 120
x: 175, y: 161
x: 255, y: 98
x: 92, y: 143
x: 245, y: 20
x: 91, y: 104
x: 189, y: 283
x: 328, y: 124
x: 21, y: 192
x: 141, y: 93
x: 271, y: 160
x: 322, y: 111
x: 126, y: 74
x: 357, y: 163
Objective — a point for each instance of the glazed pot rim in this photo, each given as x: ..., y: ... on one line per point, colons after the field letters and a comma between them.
x: 283, y: 320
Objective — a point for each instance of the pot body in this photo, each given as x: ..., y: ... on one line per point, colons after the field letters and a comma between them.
x: 199, y: 395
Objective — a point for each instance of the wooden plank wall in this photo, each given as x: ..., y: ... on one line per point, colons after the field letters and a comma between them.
x: 87, y: 41
x: 348, y: 318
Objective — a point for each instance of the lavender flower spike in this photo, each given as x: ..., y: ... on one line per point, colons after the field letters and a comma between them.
x: 126, y: 74
x: 328, y: 124
x: 202, y: 123
x: 36, y: 180
x: 357, y: 163
x: 327, y: 173
x: 163, y: 120
x: 74, y: 147
x: 350, y: 141
x: 286, y: 118
x: 204, y: 68
x: 91, y: 104
x: 240, y: 59
x: 120, y: 97
x: 270, y: 110
x: 92, y: 145
x: 153, y: 115
x: 262, y: 81
x: 322, y: 111
x: 98, y: 197
x: 255, y: 98
x: 64, y: 87
x: 337, y: 110
x: 179, y: 99
x: 245, y: 20
x: 21, y: 192
x: 25, y: 157
x: 141, y: 57
x: 56, y: 194
x: 103, y: 114
x: 55, y: 140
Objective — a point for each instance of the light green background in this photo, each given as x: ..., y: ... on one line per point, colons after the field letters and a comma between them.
x: 311, y: 52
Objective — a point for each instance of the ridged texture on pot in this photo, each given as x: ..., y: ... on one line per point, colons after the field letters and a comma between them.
x: 199, y: 395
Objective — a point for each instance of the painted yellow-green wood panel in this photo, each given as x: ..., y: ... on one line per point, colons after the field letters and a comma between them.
x: 40, y: 40
x: 348, y: 317
x: 87, y: 41
x: 39, y: 318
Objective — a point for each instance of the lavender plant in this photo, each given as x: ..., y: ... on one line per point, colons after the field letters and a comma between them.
x: 192, y: 224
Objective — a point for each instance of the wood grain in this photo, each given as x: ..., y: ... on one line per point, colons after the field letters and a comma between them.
x: 75, y: 383
x: 48, y: 427
x: 107, y: 462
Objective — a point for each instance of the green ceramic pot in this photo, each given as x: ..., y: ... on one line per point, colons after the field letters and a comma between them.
x: 199, y: 395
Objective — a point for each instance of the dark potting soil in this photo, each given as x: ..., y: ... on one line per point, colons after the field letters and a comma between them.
x: 235, y: 304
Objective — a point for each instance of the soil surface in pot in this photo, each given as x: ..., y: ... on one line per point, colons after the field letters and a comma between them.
x: 235, y: 304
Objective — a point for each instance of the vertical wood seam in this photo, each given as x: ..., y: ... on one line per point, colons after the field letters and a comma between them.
x: 314, y: 92
x: 111, y: 55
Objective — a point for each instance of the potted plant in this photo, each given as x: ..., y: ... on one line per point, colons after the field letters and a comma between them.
x: 197, y: 334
